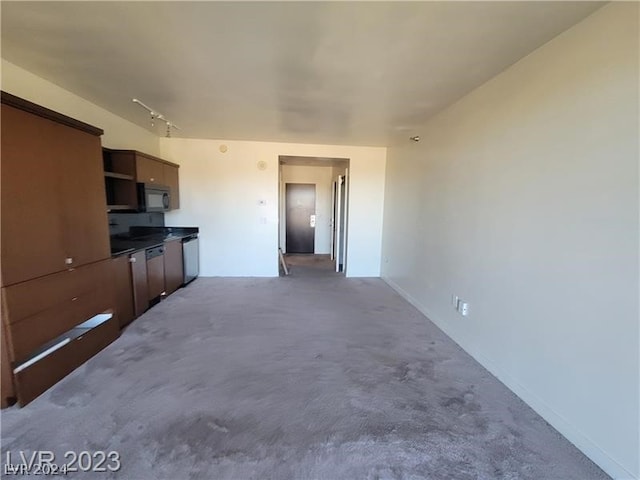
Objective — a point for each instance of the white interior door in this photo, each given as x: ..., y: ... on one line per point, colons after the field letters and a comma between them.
x: 338, y: 220
x: 332, y: 226
x: 345, y: 217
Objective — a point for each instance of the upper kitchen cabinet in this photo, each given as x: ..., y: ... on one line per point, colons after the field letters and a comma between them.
x: 171, y: 181
x: 52, y: 192
x: 149, y: 170
x: 125, y: 168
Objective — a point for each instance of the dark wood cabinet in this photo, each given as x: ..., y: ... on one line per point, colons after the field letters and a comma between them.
x: 123, y: 290
x: 149, y: 170
x: 84, y: 344
x: 7, y: 391
x: 42, y: 309
x: 124, y: 168
x: 32, y: 237
x: 52, y: 193
x: 45, y: 312
x: 173, y: 266
x: 84, y: 217
x: 56, y: 267
x: 139, y: 281
x: 171, y: 181
x: 120, y: 180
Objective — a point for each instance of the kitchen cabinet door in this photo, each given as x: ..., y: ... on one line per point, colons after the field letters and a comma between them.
x: 173, y: 268
x: 155, y: 276
x: 6, y: 389
x: 84, y: 210
x: 138, y: 262
x: 32, y: 231
x: 171, y: 180
x: 149, y: 170
x: 123, y: 290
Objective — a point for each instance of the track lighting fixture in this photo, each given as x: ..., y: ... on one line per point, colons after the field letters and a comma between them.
x: 157, y: 116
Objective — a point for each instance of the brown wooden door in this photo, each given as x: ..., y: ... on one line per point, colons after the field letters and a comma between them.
x: 123, y: 290
x: 84, y: 208
x: 149, y: 170
x: 173, y: 266
x: 32, y: 230
x: 171, y: 180
x: 138, y: 262
x: 155, y: 276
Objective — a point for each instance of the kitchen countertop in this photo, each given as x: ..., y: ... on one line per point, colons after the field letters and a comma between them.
x: 141, y: 238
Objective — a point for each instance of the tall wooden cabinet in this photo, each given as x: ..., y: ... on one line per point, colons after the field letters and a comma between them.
x: 53, y: 211
x: 57, y: 295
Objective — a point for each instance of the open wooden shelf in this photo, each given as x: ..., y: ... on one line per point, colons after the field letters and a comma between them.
x: 120, y: 176
x: 120, y: 207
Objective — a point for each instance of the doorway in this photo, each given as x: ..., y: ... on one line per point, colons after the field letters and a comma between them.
x: 313, y: 230
x: 300, y: 204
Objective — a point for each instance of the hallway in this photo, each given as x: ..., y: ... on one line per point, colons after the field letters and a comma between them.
x: 311, y: 265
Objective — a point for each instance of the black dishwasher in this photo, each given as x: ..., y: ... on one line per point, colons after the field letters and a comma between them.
x: 155, y: 271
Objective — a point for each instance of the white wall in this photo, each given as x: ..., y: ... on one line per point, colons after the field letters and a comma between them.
x: 522, y: 198
x: 118, y: 132
x: 220, y: 193
x: 322, y: 179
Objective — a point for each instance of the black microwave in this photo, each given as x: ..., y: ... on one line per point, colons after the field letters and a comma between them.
x: 153, y: 198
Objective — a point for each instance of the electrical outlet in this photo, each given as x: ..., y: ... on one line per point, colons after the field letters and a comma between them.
x: 464, y: 309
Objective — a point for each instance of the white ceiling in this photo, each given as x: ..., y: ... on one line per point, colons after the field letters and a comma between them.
x: 323, y: 72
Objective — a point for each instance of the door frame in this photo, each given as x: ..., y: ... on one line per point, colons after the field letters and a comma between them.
x: 337, y: 162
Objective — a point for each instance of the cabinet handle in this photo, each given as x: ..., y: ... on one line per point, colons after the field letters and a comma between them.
x: 74, y: 299
x: 152, y: 179
x: 132, y: 260
x: 68, y: 261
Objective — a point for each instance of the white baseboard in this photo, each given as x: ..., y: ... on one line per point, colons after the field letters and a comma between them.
x: 567, y: 429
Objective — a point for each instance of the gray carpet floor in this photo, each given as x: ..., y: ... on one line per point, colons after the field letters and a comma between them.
x: 305, y: 377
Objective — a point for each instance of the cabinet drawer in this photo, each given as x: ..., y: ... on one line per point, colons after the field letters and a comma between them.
x: 42, y: 374
x: 29, y: 298
x: 30, y: 333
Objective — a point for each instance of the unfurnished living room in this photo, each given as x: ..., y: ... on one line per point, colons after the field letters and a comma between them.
x: 320, y: 240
